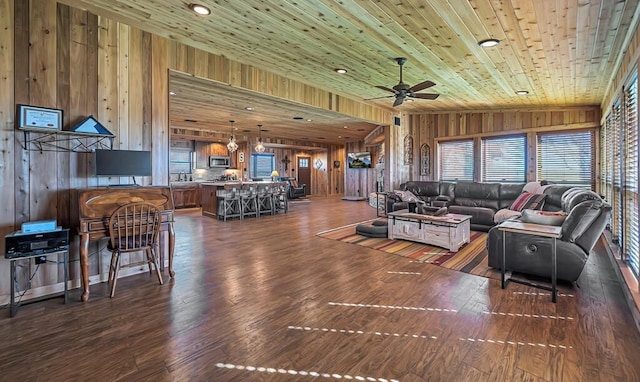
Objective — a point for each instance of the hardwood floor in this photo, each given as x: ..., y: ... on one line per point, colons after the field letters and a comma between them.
x: 267, y: 300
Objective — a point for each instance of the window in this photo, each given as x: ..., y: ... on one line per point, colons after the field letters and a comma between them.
x: 630, y: 176
x: 262, y: 165
x: 566, y: 158
x: 503, y: 159
x: 456, y: 160
x: 616, y: 158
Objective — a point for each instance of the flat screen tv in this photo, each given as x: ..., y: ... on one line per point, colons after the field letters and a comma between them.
x: 359, y: 160
x: 123, y: 163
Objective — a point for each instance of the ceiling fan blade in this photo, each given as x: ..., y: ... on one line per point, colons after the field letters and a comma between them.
x: 421, y: 86
x: 369, y: 99
x: 398, y: 101
x: 425, y: 95
x: 387, y: 89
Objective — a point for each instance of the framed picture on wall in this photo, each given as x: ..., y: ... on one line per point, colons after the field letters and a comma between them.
x: 36, y: 117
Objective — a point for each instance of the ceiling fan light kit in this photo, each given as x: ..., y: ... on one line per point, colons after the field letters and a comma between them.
x: 403, y: 91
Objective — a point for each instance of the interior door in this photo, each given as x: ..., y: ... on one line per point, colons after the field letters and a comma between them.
x: 304, y: 172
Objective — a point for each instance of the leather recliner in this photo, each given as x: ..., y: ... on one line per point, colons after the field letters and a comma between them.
x: 587, y: 217
x: 294, y: 190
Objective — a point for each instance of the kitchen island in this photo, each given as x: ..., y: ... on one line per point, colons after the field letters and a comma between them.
x: 210, y: 190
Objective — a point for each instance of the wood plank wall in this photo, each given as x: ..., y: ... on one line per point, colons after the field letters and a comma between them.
x: 430, y: 128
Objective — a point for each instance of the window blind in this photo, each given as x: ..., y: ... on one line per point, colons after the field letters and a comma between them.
x: 566, y: 158
x: 503, y: 159
x: 630, y: 214
x: 616, y: 203
x: 263, y: 165
x: 456, y: 160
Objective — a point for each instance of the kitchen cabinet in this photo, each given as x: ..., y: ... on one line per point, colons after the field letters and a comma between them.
x: 186, y: 195
x: 206, y: 149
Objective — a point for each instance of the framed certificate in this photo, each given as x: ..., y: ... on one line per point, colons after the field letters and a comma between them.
x: 39, y: 118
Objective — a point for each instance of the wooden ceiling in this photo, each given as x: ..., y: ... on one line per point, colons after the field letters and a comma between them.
x: 204, y: 105
x: 563, y: 52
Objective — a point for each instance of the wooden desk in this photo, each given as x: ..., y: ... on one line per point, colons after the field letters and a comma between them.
x: 553, y: 232
x: 92, y: 208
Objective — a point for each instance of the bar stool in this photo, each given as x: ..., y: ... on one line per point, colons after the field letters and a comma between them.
x: 228, y: 203
x: 280, y: 198
x: 248, y: 201
x: 265, y: 200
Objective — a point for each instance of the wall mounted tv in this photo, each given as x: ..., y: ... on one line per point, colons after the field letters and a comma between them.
x: 123, y: 163
x: 359, y: 160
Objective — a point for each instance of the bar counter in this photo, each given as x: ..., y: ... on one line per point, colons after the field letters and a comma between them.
x: 209, y: 190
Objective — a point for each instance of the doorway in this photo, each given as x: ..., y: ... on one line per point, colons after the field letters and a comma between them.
x: 304, y: 173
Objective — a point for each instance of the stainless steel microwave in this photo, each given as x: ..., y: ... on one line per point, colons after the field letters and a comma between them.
x: 216, y: 161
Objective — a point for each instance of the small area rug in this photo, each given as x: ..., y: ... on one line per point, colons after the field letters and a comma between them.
x: 471, y: 258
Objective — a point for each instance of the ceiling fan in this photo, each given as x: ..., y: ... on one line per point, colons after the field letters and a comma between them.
x: 402, y: 90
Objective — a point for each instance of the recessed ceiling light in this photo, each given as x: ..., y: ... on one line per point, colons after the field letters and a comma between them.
x: 345, y: 127
x: 488, y: 43
x: 200, y: 9
x: 309, y: 120
x: 522, y: 92
x: 172, y: 93
x: 341, y: 70
x: 249, y: 108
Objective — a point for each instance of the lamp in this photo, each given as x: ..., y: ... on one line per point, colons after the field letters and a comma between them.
x: 232, y: 145
x: 274, y: 175
x: 259, y: 147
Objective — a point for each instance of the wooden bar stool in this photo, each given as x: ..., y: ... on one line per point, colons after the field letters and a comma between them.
x: 248, y: 201
x: 265, y: 200
x: 228, y: 203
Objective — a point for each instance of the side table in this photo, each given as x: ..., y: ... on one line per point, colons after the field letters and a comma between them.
x: 35, y: 250
x: 531, y: 229
x: 381, y: 195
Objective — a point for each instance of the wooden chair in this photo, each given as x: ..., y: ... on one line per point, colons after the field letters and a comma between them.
x: 133, y: 227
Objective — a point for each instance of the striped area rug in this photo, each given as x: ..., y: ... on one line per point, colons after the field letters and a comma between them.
x: 471, y: 258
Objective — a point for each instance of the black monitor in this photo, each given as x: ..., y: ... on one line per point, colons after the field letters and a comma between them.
x: 123, y: 163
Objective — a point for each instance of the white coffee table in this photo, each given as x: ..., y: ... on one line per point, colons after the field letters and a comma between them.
x: 449, y: 231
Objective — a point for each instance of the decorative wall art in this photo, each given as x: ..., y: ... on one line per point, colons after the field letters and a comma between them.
x: 408, y: 150
x: 425, y: 159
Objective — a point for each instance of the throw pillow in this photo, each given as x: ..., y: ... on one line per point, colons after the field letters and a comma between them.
x: 544, y: 217
x: 406, y: 196
x: 505, y: 214
x: 527, y: 200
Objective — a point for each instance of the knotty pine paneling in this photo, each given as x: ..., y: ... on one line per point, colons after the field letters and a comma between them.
x: 628, y: 63
x: 359, y: 181
x: 184, y: 59
x: 7, y: 140
x: 434, y: 127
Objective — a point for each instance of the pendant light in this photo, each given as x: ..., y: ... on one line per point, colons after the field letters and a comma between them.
x: 259, y: 147
x: 232, y: 146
